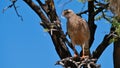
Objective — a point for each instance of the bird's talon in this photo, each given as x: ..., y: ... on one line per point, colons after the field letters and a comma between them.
x: 75, y: 56
x: 84, y: 57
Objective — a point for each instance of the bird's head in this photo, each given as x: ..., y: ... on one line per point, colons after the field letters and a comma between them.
x: 67, y: 13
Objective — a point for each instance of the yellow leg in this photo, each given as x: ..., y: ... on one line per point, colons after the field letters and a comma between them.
x: 84, y: 55
x: 83, y: 48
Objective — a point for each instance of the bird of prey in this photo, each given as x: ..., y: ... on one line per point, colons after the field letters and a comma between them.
x: 78, y: 31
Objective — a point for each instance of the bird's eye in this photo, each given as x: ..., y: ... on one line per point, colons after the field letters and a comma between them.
x: 67, y: 13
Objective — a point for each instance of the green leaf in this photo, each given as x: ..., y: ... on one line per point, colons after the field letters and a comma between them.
x: 46, y: 30
x: 111, y: 40
x: 116, y: 25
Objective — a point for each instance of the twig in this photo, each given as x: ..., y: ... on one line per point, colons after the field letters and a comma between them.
x: 17, y: 12
x: 72, y: 62
x: 84, y: 12
x: 13, y: 5
x: 101, y: 8
x: 106, y: 18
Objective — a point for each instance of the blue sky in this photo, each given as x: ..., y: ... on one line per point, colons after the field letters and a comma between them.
x: 25, y: 44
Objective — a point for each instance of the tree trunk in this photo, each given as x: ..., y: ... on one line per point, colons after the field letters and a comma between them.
x: 116, y: 54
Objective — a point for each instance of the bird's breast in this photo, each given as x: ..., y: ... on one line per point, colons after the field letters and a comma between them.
x: 77, y: 34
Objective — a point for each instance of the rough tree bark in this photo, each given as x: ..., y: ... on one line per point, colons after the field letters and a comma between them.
x: 115, y: 8
x: 116, y: 54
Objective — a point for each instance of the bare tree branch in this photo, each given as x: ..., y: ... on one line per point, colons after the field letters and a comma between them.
x: 91, y: 23
x: 38, y: 11
x: 99, y: 50
x: 100, y: 9
x: 13, y: 5
x: 57, y: 35
x: 84, y: 12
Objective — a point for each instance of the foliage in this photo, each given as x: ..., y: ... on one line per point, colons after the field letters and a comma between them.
x: 116, y: 24
x: 116, y: 32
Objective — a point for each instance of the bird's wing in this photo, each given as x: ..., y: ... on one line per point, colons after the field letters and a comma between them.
x: 68, y: 33
x: 82, y: 23
x: 83, y: 27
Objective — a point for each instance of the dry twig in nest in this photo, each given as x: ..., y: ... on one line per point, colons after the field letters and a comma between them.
x: 72, y: 62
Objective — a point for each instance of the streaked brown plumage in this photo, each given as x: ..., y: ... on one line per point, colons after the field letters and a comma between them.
x: 78, y: 31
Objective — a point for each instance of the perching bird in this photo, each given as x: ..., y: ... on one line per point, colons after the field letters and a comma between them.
x: 78, y: 31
